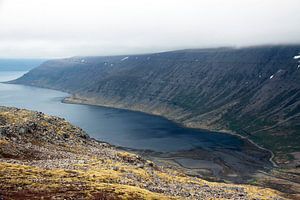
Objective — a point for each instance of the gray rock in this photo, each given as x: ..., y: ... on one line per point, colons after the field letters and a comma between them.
x: 23, y: 130
x: 140, y: 165
x: 2, y: 131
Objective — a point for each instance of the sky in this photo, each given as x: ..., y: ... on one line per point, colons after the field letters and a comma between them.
x: 64, y: 28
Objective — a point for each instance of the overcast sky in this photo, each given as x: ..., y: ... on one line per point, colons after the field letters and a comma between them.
x: 63, y: 28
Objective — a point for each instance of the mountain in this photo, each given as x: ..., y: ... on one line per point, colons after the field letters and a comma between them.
x: 19, y: 64
x: 253, y: 91
x: 45, y: 157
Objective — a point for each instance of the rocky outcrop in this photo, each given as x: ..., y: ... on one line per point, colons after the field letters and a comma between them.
x: 45, y: 157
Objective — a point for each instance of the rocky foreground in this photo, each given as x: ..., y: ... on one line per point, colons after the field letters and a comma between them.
x: 45, y: 157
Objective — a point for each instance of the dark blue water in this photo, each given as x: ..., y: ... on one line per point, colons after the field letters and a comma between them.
x: 119, y: 127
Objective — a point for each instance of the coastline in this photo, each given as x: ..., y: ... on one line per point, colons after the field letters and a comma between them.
x: 278, y: 179
x: 76, y: 100
x: 84, y: 101
x: 93, y: 166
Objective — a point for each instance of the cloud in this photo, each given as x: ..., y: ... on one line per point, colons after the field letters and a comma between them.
x: 59, y: 28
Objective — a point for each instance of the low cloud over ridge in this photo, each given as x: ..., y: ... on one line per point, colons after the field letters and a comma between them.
x: 56, y: 28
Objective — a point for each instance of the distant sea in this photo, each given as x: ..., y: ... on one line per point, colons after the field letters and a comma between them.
x: 19, y: 64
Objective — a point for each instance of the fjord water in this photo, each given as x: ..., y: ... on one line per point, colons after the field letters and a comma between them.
x: 211, y: 154
x: 119, y: 127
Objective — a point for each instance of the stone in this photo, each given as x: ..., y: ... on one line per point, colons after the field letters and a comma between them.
x: 2, y: 131
x: 115, y: 168
x: 140, y: 165
x: 23, y: 130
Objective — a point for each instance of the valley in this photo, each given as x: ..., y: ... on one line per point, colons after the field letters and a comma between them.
x: 149, y: 100
x: 253, y: 92
x: 250, y: 92
x: 150, y: 136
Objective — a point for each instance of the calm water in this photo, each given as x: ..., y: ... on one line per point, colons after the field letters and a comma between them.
x: 119, y: 127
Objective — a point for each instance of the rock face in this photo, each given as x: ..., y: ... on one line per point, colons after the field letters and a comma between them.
x: 253, y: 91
x: 45, y: 157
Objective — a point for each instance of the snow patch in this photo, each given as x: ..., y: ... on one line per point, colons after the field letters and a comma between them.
x: 82, y: 60
x: 280, y: 70
x: 297, y: 57
x: 271, y: 76
x: 124, y: 58
x: 111, y: 64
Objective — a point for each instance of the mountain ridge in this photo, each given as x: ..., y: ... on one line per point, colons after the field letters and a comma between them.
x: 251, y: 91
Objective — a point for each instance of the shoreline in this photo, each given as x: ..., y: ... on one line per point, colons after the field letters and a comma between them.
x: 73, y: 100
x: 93, y: 166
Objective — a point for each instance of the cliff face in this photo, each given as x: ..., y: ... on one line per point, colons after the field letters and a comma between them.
x: 45, y: 157
x: 252, y: 91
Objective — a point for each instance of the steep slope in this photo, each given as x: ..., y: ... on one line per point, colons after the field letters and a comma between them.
x: 45, y: 157
x: 254, y: 91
